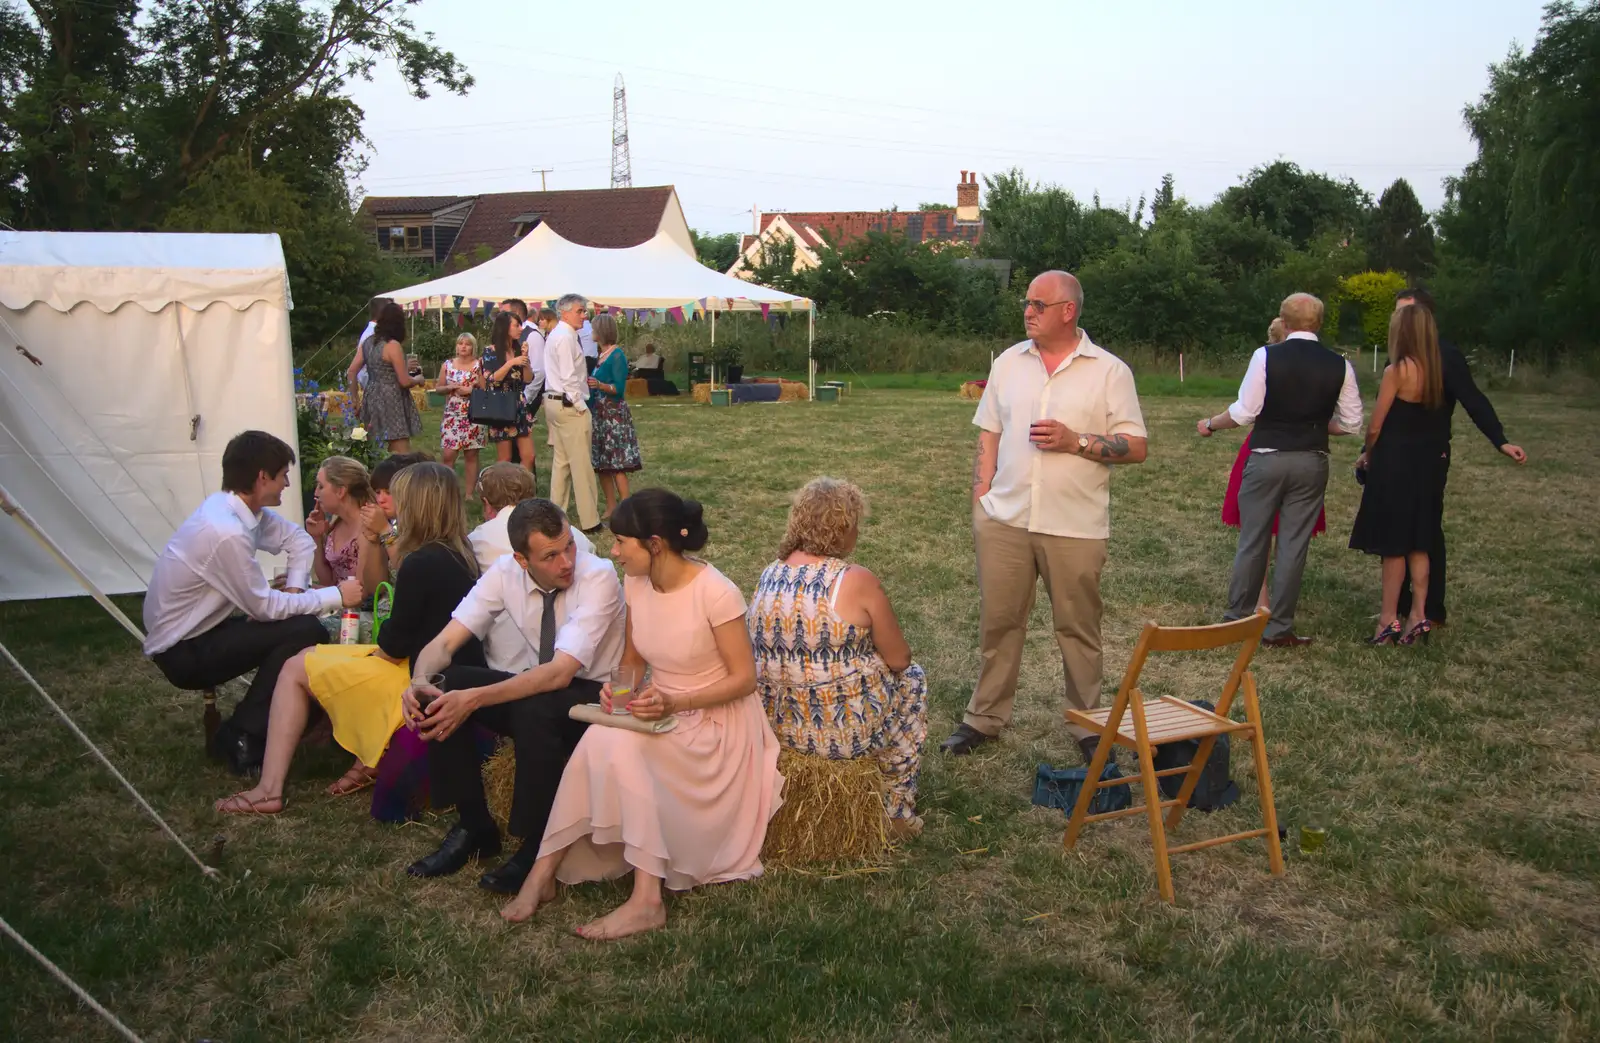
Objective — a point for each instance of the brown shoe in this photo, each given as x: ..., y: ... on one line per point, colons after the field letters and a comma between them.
x: 964, y: 740
x: 1290, y: 640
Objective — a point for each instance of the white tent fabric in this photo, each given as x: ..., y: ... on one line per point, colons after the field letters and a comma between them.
x: 543, y: 266
x: 138, y: 355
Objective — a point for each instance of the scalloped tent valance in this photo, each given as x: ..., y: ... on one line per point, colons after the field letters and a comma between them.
x: 150, y: 269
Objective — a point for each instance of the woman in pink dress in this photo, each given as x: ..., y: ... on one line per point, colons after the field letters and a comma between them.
x: 1276, y: 331
x: 678, y: 808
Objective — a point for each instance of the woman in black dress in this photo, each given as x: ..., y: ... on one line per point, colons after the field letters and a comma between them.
x: 505, y: 366
x: 1406, y: 456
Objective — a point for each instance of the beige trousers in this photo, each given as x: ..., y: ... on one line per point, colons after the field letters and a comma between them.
x: 1010, y: 563
x: 570, y: 431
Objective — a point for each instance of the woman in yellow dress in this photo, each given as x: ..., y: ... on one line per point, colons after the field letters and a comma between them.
x: 360, y: 685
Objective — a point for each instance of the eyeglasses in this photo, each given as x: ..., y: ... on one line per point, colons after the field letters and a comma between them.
x: 1037, y: 305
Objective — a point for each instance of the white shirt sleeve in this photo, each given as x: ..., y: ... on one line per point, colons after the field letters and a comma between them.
x: 1349, y: 412
x: 276, y: 534
x: 1252, y: 391
x: 988, y: 416
x: 233, y: 570
x: 1123, y: 415
x: 592, y: 609
x: 483, y: 603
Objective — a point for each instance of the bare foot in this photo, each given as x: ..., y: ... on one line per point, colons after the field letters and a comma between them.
x: 524, y: 905
x: 627, y: 918
x: 251, y: 802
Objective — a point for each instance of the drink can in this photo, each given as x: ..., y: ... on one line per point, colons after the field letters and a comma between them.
x: 350, y: 628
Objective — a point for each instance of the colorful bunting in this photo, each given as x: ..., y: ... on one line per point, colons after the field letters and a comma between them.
x: 676, y: 315
x: 765, y: 308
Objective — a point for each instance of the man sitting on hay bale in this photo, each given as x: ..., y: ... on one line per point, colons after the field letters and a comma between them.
x: 567, y: 606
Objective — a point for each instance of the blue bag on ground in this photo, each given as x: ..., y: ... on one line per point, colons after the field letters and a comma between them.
x: 1214, y: 789
x: 1059, y: 788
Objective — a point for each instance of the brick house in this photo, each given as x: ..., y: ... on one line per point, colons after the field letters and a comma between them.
x: 810, y: 231
x: 461, y: 231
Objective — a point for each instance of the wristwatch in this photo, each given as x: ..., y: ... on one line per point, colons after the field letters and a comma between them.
x: 1208, y: 423
x: 1083, y: 444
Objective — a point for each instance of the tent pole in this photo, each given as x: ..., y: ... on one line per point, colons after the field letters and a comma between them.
x: 811, y: 343
x: 15, y: 509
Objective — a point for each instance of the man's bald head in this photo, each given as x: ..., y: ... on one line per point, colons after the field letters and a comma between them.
x: 1052, y: 309
x: 1059, y: 285
x: 1301, y: 313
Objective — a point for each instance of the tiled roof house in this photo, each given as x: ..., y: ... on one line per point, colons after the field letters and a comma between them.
x: 461, y: 231
x: 962, y: 223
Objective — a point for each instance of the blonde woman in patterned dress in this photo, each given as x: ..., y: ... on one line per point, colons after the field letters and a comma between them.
x: 832, y: 667
x: 457, y: 434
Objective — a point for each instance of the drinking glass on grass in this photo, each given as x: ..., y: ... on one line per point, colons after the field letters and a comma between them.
x: 624, y: 682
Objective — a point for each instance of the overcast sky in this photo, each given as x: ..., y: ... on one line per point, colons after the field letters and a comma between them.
x: 867, y: 105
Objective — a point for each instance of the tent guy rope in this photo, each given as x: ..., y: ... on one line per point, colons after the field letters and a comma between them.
x: 62, y: 976
x: 112, y: 768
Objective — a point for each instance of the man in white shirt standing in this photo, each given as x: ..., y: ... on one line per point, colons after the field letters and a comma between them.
x: 1057, y: 412
x: 566, y: 412
x: 209, y: 613
x: 502, y: 486
x: 1296, y: 394
x: 567, y: 607
x: 534, y: 328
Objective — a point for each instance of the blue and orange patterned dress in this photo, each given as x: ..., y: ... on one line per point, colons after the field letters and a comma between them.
x: 826, y: 690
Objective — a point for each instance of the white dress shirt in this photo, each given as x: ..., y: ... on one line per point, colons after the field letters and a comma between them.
x: 1253, y: 393
x: 533, y: 348
x: 361, y: 374
x: 590, y: 615
x: 564, y: 371
x: 586, y: 340
x: 1056, y: 494
x: 503, y: 646
x: 208, y: 571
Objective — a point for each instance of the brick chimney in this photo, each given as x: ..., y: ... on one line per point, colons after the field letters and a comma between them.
x: 967, y: 197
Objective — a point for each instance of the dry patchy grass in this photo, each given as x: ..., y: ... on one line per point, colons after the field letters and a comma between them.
x: 1455, y: 900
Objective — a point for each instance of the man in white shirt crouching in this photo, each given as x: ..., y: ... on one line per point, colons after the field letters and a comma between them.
x: 209, y: 613
x: 566, y: 605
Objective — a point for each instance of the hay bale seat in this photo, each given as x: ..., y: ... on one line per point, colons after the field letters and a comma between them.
x: 636, y: 387
x: 832, y: 810
x: 973, y: 389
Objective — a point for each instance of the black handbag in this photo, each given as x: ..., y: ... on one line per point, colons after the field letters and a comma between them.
x: 494, y: 406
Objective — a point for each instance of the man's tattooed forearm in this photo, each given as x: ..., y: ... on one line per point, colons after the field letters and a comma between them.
x: 1109, y: 447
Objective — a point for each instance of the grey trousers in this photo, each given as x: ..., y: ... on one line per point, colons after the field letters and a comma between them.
x: 1287, y: 486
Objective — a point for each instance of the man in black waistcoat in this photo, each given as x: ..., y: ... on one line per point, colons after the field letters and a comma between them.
x: 1296, y: 393
x: 1458, y: 387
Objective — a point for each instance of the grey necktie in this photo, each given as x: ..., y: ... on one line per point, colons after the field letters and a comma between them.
x: 547, y: 628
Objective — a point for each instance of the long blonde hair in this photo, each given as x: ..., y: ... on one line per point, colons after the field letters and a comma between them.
x: 429, y: 508
x: 1413, y: 335
x: 827, y: 512
x: 1276, y: 331
x: 349, y: 475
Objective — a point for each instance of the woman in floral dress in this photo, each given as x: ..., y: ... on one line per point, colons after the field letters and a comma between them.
x: 614, y: 445
x: 832, y: 666
x: 457, y: 434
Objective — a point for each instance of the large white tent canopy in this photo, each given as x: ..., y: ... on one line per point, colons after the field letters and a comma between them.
x: 543, y: 266
x: 137, y: 356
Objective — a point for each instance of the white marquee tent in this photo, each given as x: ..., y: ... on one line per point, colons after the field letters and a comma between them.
x: 129, y: 360
x: 655, y: 274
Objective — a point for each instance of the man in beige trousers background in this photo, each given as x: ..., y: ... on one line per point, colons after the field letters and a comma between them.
x: 1056, y: 413
x: 566, y: 413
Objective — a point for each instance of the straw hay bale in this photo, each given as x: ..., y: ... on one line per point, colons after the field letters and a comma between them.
x: 702, y: 394
x: 972, y: 389
x: 499, y: 779
x: 832, y: 812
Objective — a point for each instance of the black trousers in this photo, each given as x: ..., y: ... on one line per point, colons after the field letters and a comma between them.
x: 542, y: 735
x: 232, y: 649
x: 1433, y: 606
x: 590, y: 362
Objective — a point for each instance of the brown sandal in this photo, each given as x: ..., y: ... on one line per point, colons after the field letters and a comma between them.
x: 355, y: 780
x: 238, y: 804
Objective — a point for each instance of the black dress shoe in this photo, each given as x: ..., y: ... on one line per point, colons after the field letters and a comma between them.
x: 507, y: 878
x: 1289, y: 640
x: 460, y: 846
x: 241, y: 752
x: 964, y: 740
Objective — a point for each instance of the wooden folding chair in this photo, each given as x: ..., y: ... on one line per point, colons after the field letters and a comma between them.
x: 1166, y: 719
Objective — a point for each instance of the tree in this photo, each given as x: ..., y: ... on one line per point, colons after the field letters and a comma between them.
x: 773, y: 265
x: 1298, y: 205
x: 1399, y: 237
x: 206, y: 115
x: 717, y: 252
x: 1164, y: 199
x: 1040, y: 227
x: 1373, y: 293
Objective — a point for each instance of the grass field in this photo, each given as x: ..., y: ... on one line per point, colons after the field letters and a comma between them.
x: 1458, y: 896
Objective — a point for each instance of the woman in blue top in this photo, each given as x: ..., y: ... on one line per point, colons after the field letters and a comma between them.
x: 614, y: 446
